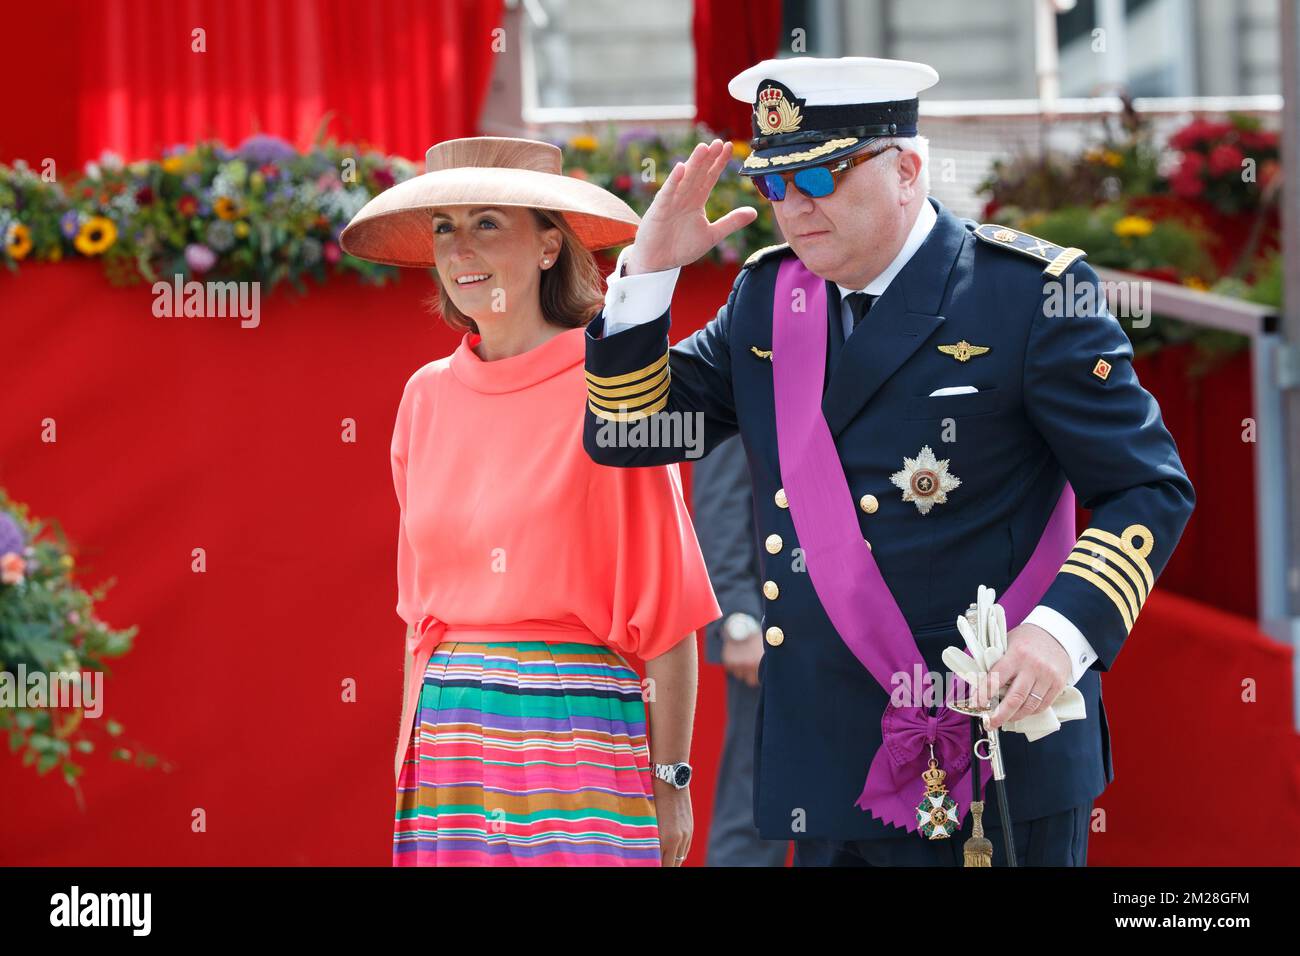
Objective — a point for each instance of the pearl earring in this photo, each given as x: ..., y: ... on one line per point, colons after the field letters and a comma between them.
x: 546, y: 262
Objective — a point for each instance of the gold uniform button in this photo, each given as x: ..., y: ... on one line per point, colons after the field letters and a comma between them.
x: 775, y: 636
x: 773, y: 543
x: 869, y: 504
x: 770, y: 590
x: 781, y: 500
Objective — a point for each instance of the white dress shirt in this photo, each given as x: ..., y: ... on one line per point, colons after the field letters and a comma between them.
x: 637, y: 299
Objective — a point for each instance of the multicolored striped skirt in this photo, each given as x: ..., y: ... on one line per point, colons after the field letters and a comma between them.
x: 526, y: 753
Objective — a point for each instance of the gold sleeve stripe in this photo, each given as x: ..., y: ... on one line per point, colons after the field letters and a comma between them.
x: 1106, y: 571
x: 1090, y: 553
x: 630, y: 376
x: 1105, y: 588
x: 648, y: 385
x: 629, y: 416
x: 638, y: 400
x: 1137, y: 556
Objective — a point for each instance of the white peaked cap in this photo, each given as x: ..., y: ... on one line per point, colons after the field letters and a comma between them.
x: 837, y: 81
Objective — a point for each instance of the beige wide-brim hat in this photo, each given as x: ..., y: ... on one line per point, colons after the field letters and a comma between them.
x: 396, y: 227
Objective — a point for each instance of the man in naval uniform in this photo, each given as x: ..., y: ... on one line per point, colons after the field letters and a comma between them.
x: 964, y: 411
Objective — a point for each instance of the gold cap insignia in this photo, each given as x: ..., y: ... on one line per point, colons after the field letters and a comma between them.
x: 1006, y: 235
x: 963, y: 351
x: 761, y: 353
x: 1101, y: 369
x: 774, y: 113
x: 925, y: 480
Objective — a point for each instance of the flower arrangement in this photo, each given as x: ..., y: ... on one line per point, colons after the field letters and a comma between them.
x: 48, y: 625
x: 1230, y: 164
x: 265, y: 211
x: 633, y: 164
x: 261, y: 211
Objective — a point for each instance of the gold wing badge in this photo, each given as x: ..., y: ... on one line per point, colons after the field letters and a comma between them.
x: 963, y: 351
x: 761, y: 353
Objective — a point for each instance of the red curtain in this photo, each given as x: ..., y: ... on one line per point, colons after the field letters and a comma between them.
x: 123, y: 75
x: 730, y: 36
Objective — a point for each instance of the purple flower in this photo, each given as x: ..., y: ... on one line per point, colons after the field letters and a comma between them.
x: 11, y: 536
x: 199, y: 258
x: 70, y: 224
x: 642, y: 133
x: 264, y: 148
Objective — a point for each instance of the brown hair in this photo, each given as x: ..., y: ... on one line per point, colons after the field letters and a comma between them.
x: 570, y: 291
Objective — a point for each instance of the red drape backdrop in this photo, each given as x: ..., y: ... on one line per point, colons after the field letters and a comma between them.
x: 175, y: 434
x: 730, y: 36
x: 122, y: 75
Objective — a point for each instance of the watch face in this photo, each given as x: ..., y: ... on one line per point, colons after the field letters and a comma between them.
x: 681, y: 775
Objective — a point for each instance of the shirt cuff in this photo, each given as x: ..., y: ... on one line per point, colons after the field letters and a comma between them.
x: 1067, y: 635
x: 635, y: 300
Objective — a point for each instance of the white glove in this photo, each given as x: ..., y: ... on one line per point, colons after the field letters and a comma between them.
x: 987, y: 642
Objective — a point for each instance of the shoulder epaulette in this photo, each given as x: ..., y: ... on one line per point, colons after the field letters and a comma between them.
x: 759, y: 254
x: 1057, y: 258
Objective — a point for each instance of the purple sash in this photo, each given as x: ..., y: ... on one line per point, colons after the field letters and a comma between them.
x: 846, y: 578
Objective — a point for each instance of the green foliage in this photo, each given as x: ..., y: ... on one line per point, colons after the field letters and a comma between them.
x: 48, y: 626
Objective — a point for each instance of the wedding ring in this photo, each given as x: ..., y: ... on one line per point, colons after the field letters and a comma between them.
x: 1036, y: 697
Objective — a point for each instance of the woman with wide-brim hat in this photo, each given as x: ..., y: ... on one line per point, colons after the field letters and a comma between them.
x: 526, y: 571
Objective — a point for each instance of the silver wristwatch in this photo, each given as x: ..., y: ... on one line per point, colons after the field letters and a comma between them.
x: 678, y: 774
x: 740, y: 626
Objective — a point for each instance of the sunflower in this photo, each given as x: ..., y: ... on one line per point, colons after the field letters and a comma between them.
x: 19, y: 242
x: 97, y: 234
x: 225, y: 207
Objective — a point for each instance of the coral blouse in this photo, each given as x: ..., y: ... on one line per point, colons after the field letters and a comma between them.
x: 509, y: 531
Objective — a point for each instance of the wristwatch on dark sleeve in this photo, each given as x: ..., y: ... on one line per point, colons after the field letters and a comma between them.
x: 678, y: 774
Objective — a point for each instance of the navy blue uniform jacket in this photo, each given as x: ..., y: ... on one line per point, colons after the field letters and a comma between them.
x: 1057, y: 400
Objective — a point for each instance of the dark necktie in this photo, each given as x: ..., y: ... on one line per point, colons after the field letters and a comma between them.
x: 860, y: 304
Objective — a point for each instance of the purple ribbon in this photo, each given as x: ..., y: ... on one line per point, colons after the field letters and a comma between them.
x: 845, y: 575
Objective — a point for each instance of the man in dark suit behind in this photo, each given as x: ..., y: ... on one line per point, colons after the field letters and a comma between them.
x: 724, y: 522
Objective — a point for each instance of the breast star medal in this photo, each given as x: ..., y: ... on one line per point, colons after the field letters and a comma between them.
x: 925, y: 480
x: 963, y: 351
x: 936, y: 814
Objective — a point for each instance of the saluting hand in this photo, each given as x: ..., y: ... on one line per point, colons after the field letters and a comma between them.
x: 675, y: 230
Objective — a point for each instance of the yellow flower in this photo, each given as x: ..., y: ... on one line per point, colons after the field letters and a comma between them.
x: 66, y: 561
x: 241, y: 229
x: 225, y: 207
x: 1112, y: 158
x: 56, y: 253
x: 740, y: 148
x: 174, y: 164
x: 1133, y: 226
x: 96, y: 235
x: 19, y: 242
x: 1197, y: 283
x: 585, y: 143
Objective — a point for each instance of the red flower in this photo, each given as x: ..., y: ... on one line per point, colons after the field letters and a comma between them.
x: 1188, y: 185
x: 1197, y: 132
x: 383, y: 178
x: 268, y: 170
x: 187, y: 205
x: 144, y: 195
x: 332, y: 252
x: 1256, y: 140
x: 1225, y: 158
x: 622, y: 182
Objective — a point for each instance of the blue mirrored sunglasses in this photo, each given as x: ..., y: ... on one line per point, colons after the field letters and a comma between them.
x: 815, y: 182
